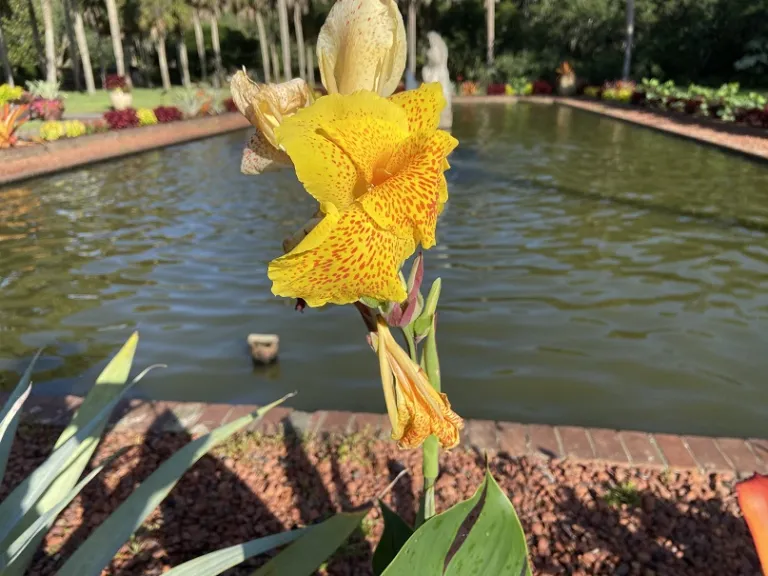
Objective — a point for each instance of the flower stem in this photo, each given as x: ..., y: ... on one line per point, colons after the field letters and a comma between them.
x: 430, y: 448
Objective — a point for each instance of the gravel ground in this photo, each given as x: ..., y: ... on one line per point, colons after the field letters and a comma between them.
x: 582, y: 518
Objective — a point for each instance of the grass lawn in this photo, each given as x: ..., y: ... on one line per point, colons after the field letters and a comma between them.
x: 81, y: 103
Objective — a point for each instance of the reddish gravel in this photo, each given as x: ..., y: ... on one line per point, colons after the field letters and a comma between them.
x: 679, y: 524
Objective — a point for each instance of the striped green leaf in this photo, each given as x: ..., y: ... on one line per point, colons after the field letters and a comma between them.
x: 9, y: 417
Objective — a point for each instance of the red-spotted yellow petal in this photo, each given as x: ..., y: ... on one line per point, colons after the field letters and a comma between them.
x: 362, y: 46
x: 328, y: 171
x: 422, y: 106
x: 345, y: 257
x: 409, y: 202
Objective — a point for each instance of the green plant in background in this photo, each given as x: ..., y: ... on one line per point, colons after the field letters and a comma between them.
x: 146, y: 117
x: 74, y: 128
x: 29, y: 510
x: 10, y: 93
x: 45, y: 90
x: 190, y: 101
x: 519, y: 86
x: 52, y: 130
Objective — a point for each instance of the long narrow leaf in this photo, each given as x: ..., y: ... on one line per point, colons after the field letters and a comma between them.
x: 217, y: 562
x: 15, y: 549
x: 101, y: 546
x: 26, y: 494
x: 9, y: 417
x: 305, y: 555
x: 110, y: 382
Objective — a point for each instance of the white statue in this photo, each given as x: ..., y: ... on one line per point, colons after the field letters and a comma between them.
x: 436, y: 70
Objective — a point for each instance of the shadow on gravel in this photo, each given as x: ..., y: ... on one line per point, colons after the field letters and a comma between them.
x: 212, y: 507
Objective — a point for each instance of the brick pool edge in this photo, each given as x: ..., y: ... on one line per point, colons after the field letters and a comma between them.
x: 620, y: 447
x: 39, y: 160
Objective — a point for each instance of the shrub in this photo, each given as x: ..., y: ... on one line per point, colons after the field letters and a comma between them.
x: 9, y: 94
x: 74, y: 128
x: 121, y: 119
x: 467, y: 88
x: 593, y: 91
x: 11, y: 118
x: 192, y: 102
x: 117, y: 82
x: 96, y: 126
x: 496, y: 89
x: 52, y: 131
x: 45, y: 90
x: 508, y: 90
x: 46, y: 109
x: 167, y: 114
x: 229, y: 104
x: 541, y: 87
x: 146, y: 117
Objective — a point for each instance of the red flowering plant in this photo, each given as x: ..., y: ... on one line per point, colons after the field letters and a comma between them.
x: 121, y: 119
x: 168, y: 114
x: 542, y: 87
x: 117, y: 82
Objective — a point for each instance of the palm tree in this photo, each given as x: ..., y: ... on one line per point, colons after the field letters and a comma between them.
x: 275, y: 61
x: 215, y: 13
x: 114, y: 31
x: 199, y: 38
x: 73, y: 46
x: 181, y: 48
x: 50, y: 42
x: 285, y: 38
x: 412, y: 4
x: 158, y: 17
x: 630, y: 38
x: 82, y: 47
x: 5, y: 10
x: 36, y: 36
x: 263, y: 42
x: 490, y: 14
x: 299, y: 7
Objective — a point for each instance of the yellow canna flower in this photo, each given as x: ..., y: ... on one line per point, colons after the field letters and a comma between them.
x: 361, y: 46
x: 415, y: 408
x: 376, y: 167
x: 265, y: 106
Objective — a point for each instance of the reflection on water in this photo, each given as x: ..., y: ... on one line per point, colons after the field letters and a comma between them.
x: 595, y: 273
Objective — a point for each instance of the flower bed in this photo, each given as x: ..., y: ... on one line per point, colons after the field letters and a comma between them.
x: 726, y: 103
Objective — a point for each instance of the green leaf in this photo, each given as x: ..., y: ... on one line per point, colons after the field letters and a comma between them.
x: 305, y: 555
x: 221, y: 560
x: 9, y: 417
x: 424, y: 322
x: 98, y: 550
x: 482, y: 535
x: 395, y: 535
x: 110, y: 383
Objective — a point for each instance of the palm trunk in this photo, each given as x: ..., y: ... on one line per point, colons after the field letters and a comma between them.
x: 310, y: 67
x: 114, y: 31
x: 491, y: 28
x: 4, y: 57
x: 200, y: 41
x: 275, y: 61
x: 102, y: 63
x: 82, y: 46
x: 183, y: 61
x: 162, y: 60
x: 412, y: 37
x: 73, y: 45
x: 50, y: 42
x: 297, y: 28
x: 216, y: 47
x: 36, y: 36
x: 264, y: 47
x: 630, y: 38
x: 285, y: 38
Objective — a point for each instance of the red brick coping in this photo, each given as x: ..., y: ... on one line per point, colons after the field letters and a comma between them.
x: 27, y: 162
x: 616, y: 447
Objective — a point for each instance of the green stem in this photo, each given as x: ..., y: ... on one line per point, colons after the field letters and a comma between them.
x: 409, y: 339
x: 430, y: 448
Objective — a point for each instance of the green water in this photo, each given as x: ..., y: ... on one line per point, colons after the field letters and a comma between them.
x: 594, y: 273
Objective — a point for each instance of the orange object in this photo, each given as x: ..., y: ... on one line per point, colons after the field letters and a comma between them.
x: 10, y: 120
x: 753, y: 501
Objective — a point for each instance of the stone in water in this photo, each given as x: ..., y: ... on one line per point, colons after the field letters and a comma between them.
x: 264, y: 347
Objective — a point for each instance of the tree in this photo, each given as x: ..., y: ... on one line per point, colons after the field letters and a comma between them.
x: 158, y: 17
x: 263, y: 42
x: 82, y: 47
x: 285, y: 38
x: 36, y: 36
x: 412, y: 4
x: 115, y: 33
x: 299, y: 7
x: 630, y: 38
x: 216, y: 45
x: 50, y: 41
x: 5, y: 9
x: 490, y: 8
x: 73, y: 47
x: 181, y: 48
x: 199, y: 40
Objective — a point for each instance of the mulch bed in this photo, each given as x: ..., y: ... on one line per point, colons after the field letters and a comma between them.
x: 582, y: 518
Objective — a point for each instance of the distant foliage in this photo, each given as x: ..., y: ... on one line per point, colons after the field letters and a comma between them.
x: 121, y: 119
x: 146, y: 117
x: 541, y: 87
x: 45, y: 90
x: 191, y: 101
x: 168, y: 114
x: 96, y: 126
x: 9, y: 94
